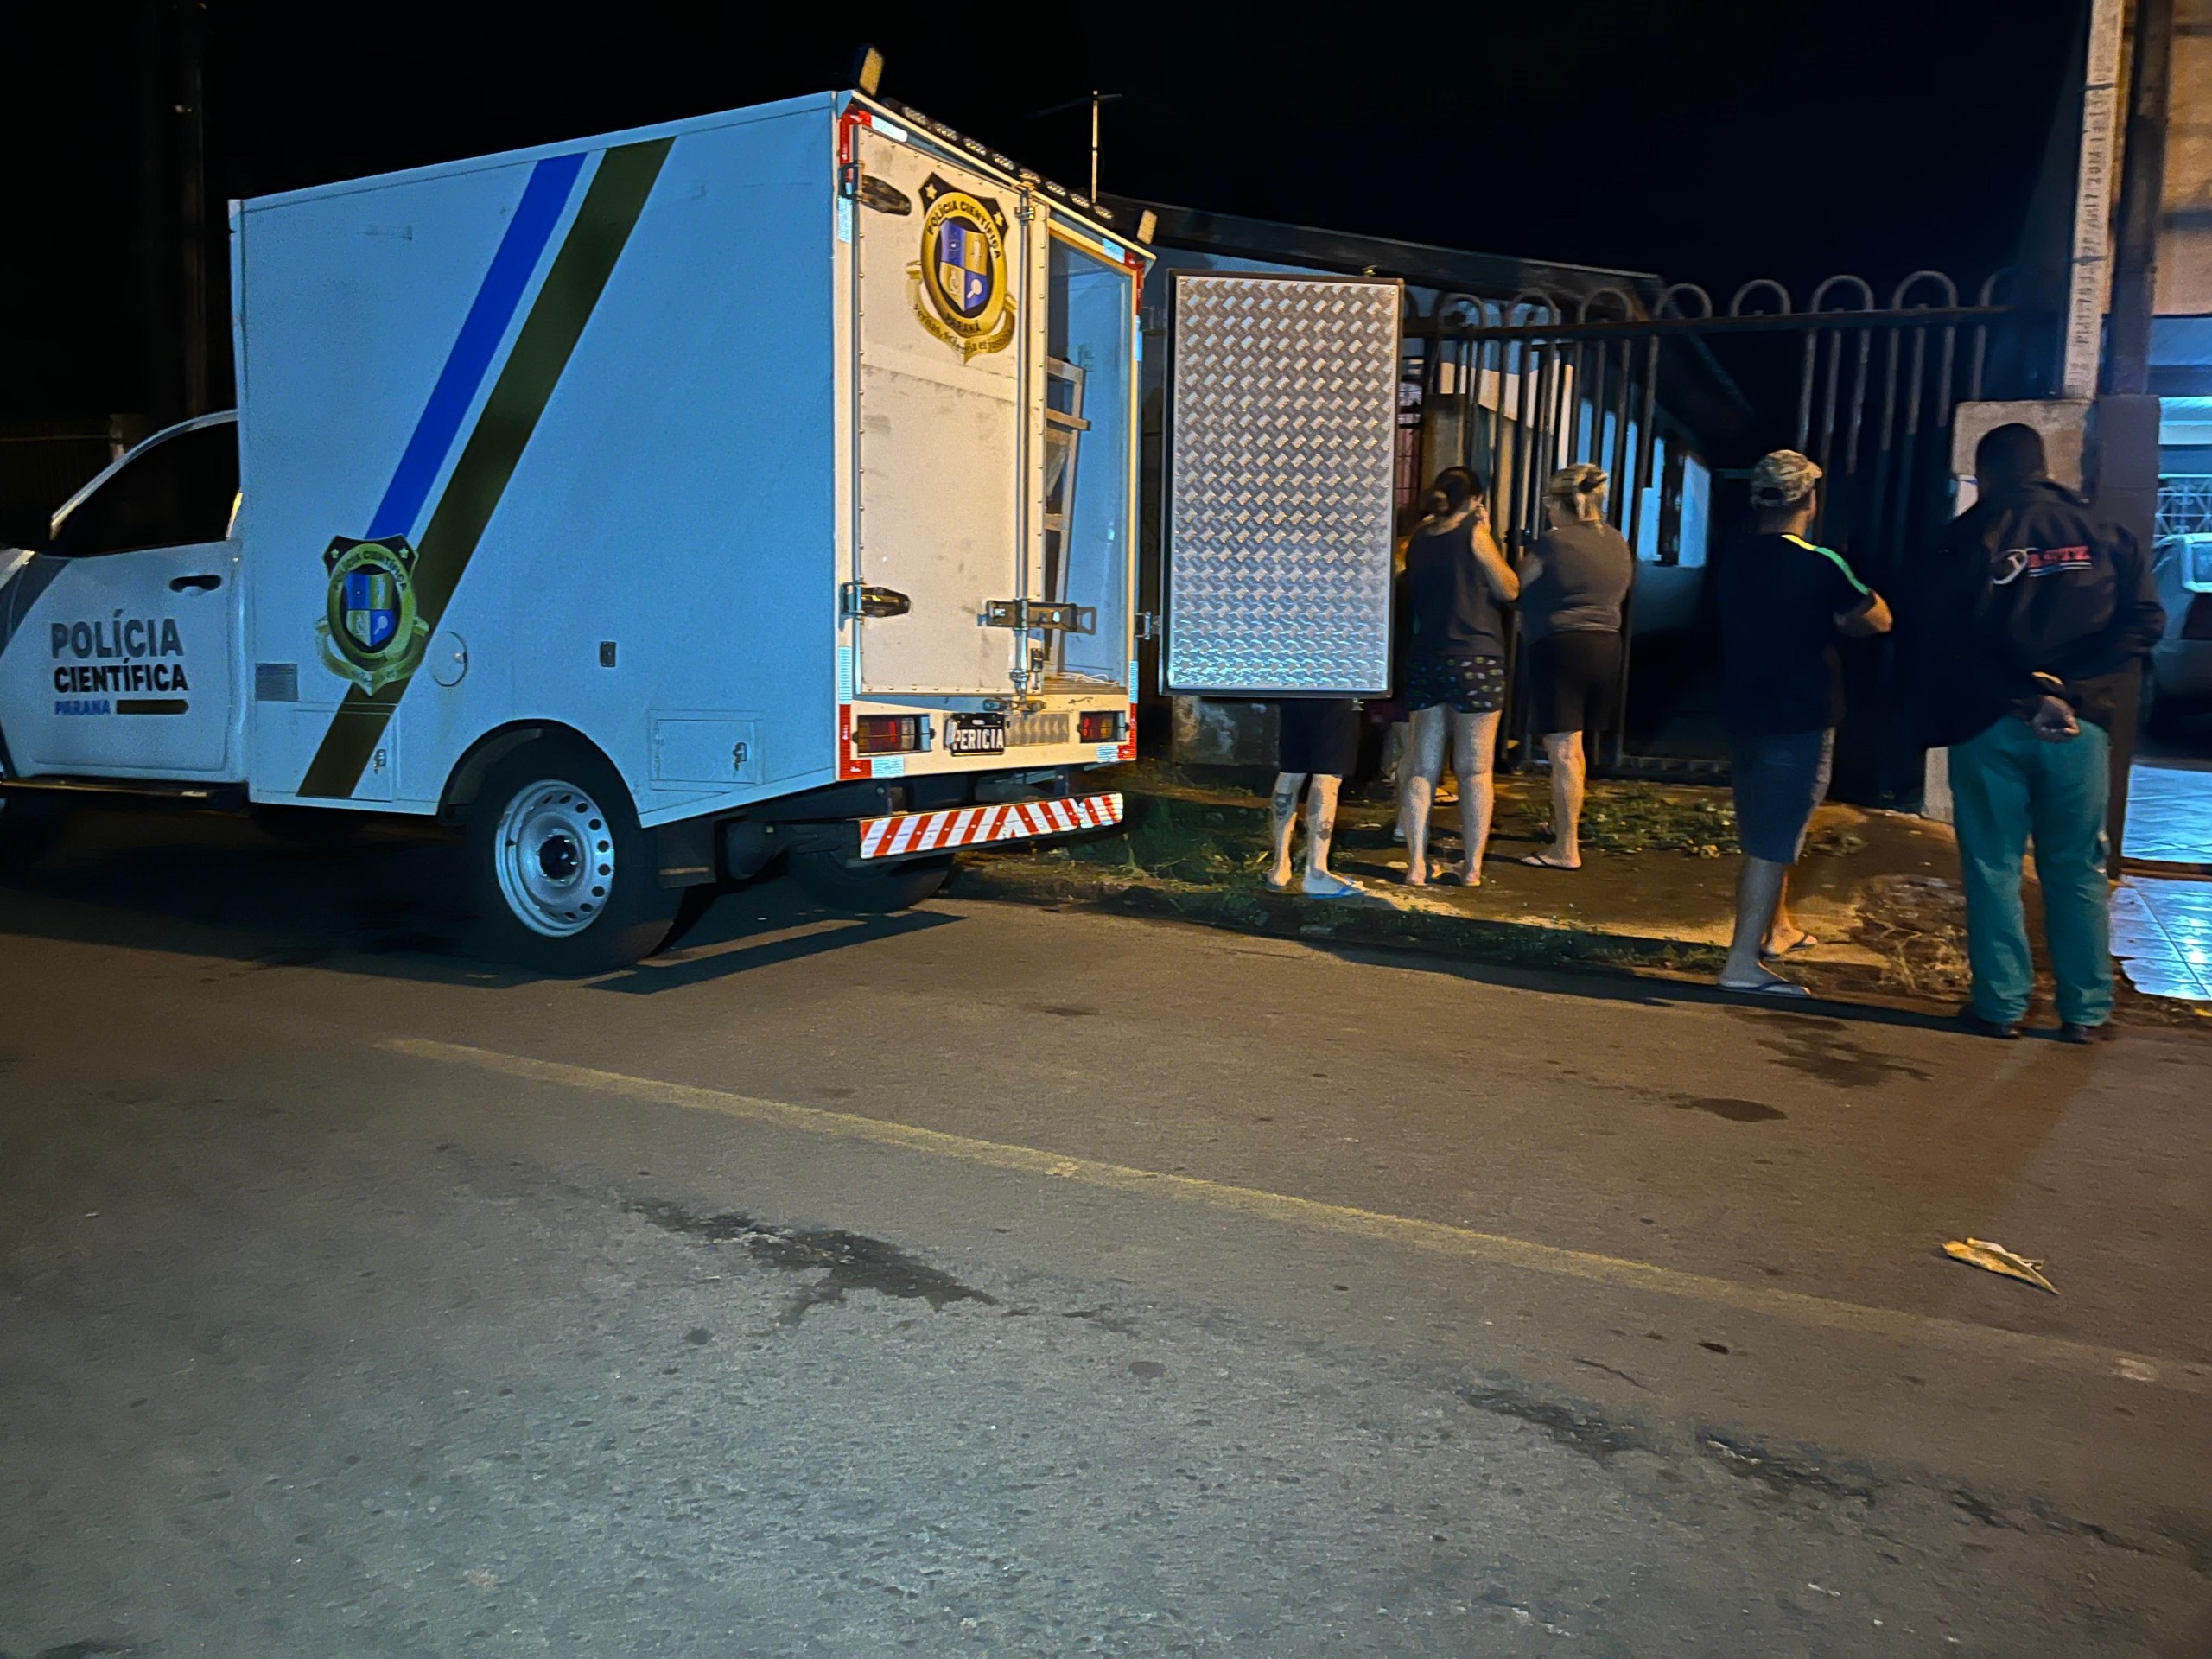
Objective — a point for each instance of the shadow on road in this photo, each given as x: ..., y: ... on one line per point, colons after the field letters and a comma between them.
x: 1603, y: 985
x: 212, y: 885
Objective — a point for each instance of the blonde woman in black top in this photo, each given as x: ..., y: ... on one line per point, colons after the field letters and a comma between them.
x: 1574, y: 584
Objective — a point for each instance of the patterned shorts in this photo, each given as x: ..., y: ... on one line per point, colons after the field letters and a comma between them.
x: 1472, y: 685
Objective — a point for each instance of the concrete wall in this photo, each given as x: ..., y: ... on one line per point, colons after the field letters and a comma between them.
x: 2185, y: 239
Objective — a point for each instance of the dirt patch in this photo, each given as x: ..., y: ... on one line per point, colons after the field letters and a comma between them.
x: 1575, y: 1425
x: 847, y: 1262
x: 1918, y: 925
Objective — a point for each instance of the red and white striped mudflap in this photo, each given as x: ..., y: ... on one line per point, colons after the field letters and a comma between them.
x: 969, y: 826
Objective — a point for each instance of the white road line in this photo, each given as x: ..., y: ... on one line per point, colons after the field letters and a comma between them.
x: 1988, y: 1342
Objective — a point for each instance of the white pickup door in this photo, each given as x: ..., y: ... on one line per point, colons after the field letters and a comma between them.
x: 118, y: 640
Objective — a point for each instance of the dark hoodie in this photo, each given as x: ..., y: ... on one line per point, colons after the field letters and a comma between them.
x: 2030, y: 580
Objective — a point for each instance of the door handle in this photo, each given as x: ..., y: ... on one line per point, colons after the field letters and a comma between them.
x: 200, y: 584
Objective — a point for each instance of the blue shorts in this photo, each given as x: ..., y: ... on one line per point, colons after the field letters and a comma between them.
x: 1779, y: 780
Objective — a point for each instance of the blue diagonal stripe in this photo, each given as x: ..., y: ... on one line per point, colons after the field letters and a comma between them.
x: 493, y: 308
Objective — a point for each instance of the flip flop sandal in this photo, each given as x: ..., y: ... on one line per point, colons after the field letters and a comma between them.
x: 1805, y: 942
x: 1788, y: 990
x: 1546, y: 861
x: 1344, y: 889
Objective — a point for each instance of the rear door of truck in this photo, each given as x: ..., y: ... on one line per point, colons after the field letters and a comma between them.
x: 1282, y: 454
x: 941, y: 262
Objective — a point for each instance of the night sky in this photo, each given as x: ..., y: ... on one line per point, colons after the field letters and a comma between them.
x: 1714, y: 141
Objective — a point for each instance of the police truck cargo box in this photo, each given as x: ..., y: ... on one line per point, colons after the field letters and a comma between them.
x: 651, y: 507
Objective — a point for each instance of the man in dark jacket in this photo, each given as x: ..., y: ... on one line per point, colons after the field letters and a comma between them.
x: 2030, y: 619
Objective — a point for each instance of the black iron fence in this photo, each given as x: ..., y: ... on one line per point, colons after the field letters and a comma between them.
x: 1660, y: 389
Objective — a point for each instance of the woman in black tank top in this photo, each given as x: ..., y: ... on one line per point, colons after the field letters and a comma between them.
x: 1455, y: 668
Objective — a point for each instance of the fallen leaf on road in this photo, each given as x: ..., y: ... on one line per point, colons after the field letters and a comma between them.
x: 1995, y: 1258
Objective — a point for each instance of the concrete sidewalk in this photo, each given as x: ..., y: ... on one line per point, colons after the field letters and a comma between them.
x: 1655, y: 893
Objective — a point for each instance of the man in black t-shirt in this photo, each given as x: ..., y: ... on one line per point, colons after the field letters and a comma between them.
x: 1783, y: 602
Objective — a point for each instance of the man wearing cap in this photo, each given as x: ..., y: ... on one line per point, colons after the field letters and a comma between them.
x: 1783, y: 602
x: 2027, y: 625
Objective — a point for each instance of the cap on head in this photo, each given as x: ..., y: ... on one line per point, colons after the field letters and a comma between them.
x: 1782, y: 479
x: 2011, y: 453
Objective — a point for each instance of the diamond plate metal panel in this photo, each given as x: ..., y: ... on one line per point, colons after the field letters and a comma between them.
x: 1284, y: 433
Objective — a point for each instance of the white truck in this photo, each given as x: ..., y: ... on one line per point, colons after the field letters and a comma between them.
x: 651, y: 507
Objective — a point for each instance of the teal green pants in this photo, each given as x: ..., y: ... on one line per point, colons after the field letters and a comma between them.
x: 2006, y: 785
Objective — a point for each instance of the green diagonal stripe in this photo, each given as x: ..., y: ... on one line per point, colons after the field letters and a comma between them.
x: 549, y: 336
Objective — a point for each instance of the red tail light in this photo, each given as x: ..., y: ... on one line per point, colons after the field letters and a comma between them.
x: 1100, y: 725
x: 889, y: 733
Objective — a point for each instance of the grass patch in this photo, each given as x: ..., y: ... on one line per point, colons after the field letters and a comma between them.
x: 1627, y: 818
x: 1184, y: 841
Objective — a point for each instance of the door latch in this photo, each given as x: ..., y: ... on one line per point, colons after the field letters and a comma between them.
x: 1026, y: 614
x: 861, y: 600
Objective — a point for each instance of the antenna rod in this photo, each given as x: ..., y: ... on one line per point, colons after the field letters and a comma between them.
x: 1093, y: 144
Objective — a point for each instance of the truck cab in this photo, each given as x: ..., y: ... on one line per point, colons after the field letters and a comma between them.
x: 120, y: 637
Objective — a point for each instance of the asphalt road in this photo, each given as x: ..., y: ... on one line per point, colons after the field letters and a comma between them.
x: 995, y: 1280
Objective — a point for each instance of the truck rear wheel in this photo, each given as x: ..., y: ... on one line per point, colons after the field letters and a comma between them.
x: 561, y: 878
x: 830, y: 881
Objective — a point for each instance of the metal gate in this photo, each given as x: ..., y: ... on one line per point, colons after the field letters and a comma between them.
x: 1636, y: 382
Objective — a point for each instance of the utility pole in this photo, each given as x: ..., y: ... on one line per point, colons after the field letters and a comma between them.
x: 155, y: 261
x: 2088, y: 281
x: 1096, y: 100
x: 2142, y: 193
x: 191, y: 18
x: 2126, y: 426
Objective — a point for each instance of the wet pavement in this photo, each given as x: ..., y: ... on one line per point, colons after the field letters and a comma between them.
x: 2169, y: 812
x: 990, y: 1280
x: 2161, y: 934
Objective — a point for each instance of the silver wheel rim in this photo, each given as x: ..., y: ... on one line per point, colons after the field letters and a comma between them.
x: 554, y: 854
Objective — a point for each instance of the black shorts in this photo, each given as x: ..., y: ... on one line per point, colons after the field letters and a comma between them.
x: 1318, y: 735
x: 1471, y: 685
x: 1571, y: 678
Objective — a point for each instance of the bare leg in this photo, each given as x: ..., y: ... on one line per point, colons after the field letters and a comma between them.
x: 1758, y: 891
x: 1785, y: 934
x: 1423, y: 760
x: 1283, y: 820
x: 1474, y: 745
x: 1320, y: 830
x: 1565, y: 749
x: 1394, y: 747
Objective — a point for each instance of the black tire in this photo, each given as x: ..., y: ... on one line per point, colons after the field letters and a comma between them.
x: 828, y: 879
x: 560, y: 877
x: 29, y: 829
x: 309, y: 826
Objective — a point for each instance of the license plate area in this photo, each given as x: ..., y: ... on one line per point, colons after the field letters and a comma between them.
x: 974, y: 734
